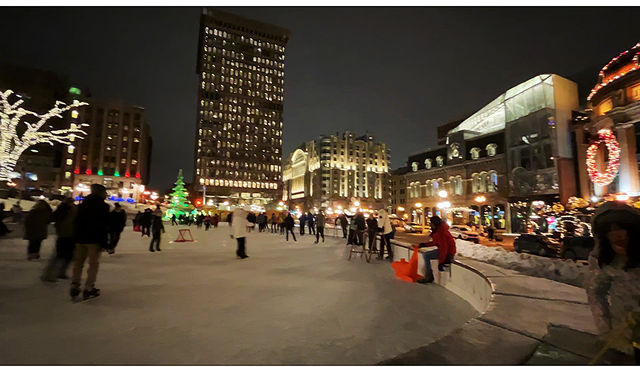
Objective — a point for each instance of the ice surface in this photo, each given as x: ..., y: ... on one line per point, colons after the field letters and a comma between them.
x: 195, y: 303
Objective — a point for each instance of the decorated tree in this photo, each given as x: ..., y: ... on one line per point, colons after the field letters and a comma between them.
x: 178, y: 201
x: 21, y: 128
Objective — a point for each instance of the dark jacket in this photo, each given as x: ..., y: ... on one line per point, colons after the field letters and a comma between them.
x: 360, y: 223
x: 157, y: 226
x: 344, y: 222
x: 303, y: 219
x: 372, y: 225
x: 288, y: 222
x: 320, y: 220
x: 145, y: 218
x: 64, y: 216
x: 117, y: 220
x: 37, y: 221
x: 310, y: 219
x: 92, y: 221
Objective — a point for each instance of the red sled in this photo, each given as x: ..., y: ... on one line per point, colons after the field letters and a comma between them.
x: 182, y: 237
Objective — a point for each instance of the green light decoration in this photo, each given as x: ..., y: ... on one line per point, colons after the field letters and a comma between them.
x: 178, y: 199
x: 100, y: 172
x: 74, y: 90
x: 117, y: 174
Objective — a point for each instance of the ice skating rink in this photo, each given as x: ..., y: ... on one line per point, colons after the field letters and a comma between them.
x: 195, y: 303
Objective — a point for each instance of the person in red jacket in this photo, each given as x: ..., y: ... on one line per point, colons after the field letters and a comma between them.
x: 446, y: 247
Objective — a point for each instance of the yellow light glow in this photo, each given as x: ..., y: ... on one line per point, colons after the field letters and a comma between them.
x: 418, y: 205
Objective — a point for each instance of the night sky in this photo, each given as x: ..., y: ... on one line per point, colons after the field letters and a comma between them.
x: 394, y: 72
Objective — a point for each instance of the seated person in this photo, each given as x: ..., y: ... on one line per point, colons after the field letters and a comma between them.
x: 446, y: 248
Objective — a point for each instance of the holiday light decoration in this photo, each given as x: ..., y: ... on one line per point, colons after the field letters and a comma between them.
x: 15, y: 138
x: 604, y: 82
x: 604, y: 178
x: 576, y: 202
x: 178, y: 199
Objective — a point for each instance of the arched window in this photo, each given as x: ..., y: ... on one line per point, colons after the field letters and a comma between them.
x: 428, y: 163
x: 457, y: 187
x: 475, y: 153
x: 491, y: 149
x: 428, y: 188
x: 493, y: 181
x: 482, y: 182
x: 440, y: 161
x: 435, y: 186
x: 414, y: 166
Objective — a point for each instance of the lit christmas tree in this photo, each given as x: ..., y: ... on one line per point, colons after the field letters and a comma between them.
x: 20, y: 129
x: 178, y: 200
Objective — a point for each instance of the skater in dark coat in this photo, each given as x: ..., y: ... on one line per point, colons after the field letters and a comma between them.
x: 372, y: 231
x: 215, y: 220
x: 117, y: 221
x: 35, y: 228
x: 91, y: 235
x: 157, y: 228
x: 3, y: 227
x: 311, y: 223
x: 274, y: 222
x: 207, y: 222
x: 64, y: 217
x: 288, y: 225
x: 145, y: 222
x: 320, y: 226
x: 344, y: 224
x: 174, y: 221
x: 303, y: 223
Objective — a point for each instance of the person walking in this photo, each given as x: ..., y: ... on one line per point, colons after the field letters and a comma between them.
x: 91, y: 235
x: 281, y: 220
x: 215, y: 220
x: 145, y: 222
x: 157, y: 211
x: 16, y: 211
x: 239, y: 231
x: 36, y: 227
x: 64, y: 217
x: 157, y: 228
x: 445, y: 247
x: 320, y: 226
x: 613, y: 278
x: 117, y: 221
x: 311, y: 223
x: 207, y: 222
x: 3, y: 227
x: 344, y: 224
x: 288, y: 225
x: 387, y: 234
x: 136, y: 221
x: 174, y: 222
x: 361, y: 227
x: 274, y: 223
x: 303, y: 223
x: 372, y: 231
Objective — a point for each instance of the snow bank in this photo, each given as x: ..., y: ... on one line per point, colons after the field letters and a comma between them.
x: 565, y: 271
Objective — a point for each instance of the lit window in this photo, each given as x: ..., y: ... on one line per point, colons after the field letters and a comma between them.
x: 475, y: 153
x: 74, y: 114
x: 70, y: 149
x: 605, y: 106
x: 69, y: 162
x: 491, y: 149
x: 635, y: 92
x: 67, y: 175
x: 440, y: 161
x: 428, y: 163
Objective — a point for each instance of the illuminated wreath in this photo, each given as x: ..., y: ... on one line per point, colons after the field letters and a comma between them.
x: 604, y: 178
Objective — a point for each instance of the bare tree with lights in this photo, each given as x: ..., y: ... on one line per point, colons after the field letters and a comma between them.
x: 20, y: 129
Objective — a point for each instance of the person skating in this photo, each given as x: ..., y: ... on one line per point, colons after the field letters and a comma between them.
x: 16, y: 211
x: 136, y: 220
x: 64, y: 217
x: 145, y: 222
x: 344, y: 224
x: 157, y: 228
x: 36, y: 227
x: 3, y: 227
x: 239, y: 227
x: 174, y: 221
x: 361, y: 227
x: 288, y: 225
x: 91, y: 235
x: 320, y: 226
x: 117, y: 221
x: 372, y: 231
x: 273, y: 222
x: 207, y: 222
x: 311, y: 223
x: 446, y: 247
x: 387, y: 233
x: 215, y: 220
x: 303, y: 223
x: 281, y: 219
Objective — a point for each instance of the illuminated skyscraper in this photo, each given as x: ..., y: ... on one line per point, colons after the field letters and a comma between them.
x: 238, y: 143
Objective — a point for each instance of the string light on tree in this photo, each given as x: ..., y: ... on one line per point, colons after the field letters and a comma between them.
x: 604, y: 178
x: 178, y: 200
x: 14, y: 139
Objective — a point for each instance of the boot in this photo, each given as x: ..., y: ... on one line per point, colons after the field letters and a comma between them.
x: 89, y: 293
x: 74, y: 291
x: 427, y: 279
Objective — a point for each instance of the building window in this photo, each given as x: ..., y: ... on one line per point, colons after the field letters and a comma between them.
x: 475, y: 153
x: 440, y: 161
x: 604, y: 106
x: 492, y: 184
x: 491, y: 149
x: 635, y: 92
x: 414, y: 166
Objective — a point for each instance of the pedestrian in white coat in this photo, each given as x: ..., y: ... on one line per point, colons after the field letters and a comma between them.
x: 384, y: 223
x: 239, y: 231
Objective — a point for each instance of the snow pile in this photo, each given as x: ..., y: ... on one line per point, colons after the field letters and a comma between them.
x: 565, y: 271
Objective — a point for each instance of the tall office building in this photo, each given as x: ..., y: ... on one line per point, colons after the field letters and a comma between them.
x: 238, y: 143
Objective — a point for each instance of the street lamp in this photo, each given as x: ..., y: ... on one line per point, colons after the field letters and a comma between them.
x: 443, y: 194
x: 356, y: 203
x: 400, y: 209
x: 480, y: 199
x: 418, y: 205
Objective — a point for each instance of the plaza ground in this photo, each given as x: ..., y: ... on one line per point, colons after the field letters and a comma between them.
x: 195, y: 303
